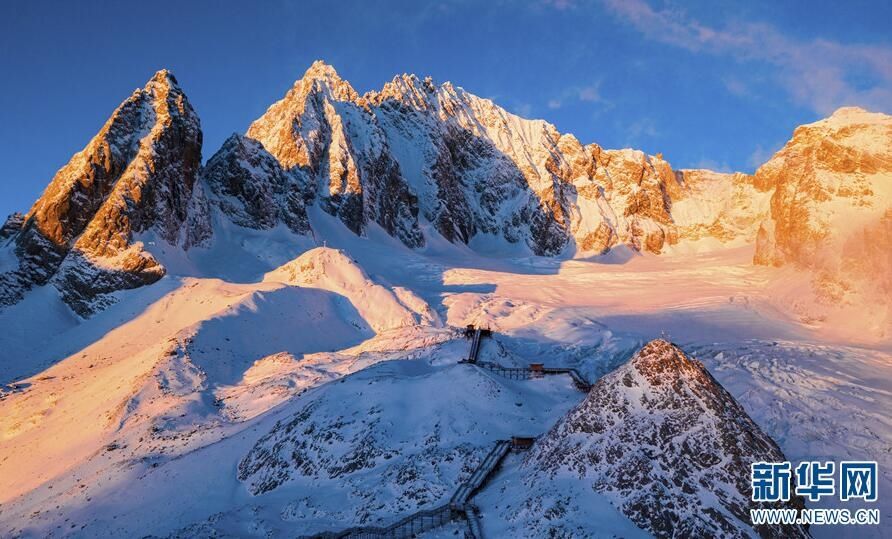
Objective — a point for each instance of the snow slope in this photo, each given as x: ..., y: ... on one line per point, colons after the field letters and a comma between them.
x: 181, y: 387
x: 333, y: 270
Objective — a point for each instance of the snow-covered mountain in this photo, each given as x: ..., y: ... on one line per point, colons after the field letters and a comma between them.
x: 269, y: 344
x: 135, y: 176
x: 831, y: 214
x: 471, y: 168
x: 423, y: 161
x: 689, y: 473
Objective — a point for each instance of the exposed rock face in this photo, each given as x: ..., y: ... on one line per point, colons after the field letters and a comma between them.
x: 252, y: 188
x: 667, y: 445
x: 830, y: 208
x: 636, y: 188
x: 135, y: 176
x: 12, y: 225
x: 828, y: 173
x: 470, y: 176
x: 468, y: 167
x: 322, y: 130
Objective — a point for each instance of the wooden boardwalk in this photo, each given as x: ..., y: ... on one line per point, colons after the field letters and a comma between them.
x: 460, y: 506
x: 519, y: 373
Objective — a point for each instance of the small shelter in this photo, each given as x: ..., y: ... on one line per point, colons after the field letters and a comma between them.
x: 522, y: 443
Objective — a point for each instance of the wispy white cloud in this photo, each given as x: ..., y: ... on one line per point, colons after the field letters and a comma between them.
x: 524, y: 110
x: 561, y: 5
x: 818, y: 73
x: 761, y: 155
x: 736, y: 86
x: 641, y: 128
x: 586, y: 94
x: 591, y: 93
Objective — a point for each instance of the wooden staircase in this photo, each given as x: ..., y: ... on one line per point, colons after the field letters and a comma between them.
x: 460, y: 506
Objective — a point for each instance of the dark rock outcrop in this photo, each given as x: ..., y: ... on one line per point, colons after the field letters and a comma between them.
x: 252, y: 189
x: 322, y: 130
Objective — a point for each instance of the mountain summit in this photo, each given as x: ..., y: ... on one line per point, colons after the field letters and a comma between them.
x: 831, y: 214
x: 135, y: 177
x: 664, y: 441
x: 321, y: 132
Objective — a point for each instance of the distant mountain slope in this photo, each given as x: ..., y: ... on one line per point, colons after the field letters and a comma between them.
x: 831, y: 214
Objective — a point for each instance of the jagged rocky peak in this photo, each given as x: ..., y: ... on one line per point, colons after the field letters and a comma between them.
x: 284, y: 127
x: 470, y: 167
x: 667, y: 445
x: 406, y: 89
x: 475, y: 173
x: 484, y: 160
x: 135, y: 176
x: 248, y: 185
x: 154, y: 191
x: 321, y: 75
x: 323, y: 131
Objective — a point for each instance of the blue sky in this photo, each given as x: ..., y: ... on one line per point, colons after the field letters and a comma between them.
x: 708, y: 83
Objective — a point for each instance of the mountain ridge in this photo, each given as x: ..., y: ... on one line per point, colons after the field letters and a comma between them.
x: 415, y: 158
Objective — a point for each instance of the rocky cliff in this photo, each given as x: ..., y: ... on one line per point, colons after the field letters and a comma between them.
x: 136, y: 176
x: 248, y: 185
x: 831, y: 209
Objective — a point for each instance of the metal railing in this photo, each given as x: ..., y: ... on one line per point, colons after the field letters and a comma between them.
x: 475, y: 530
x: 467, y: 489
x: 406, y: 528
x: 459, y: 506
